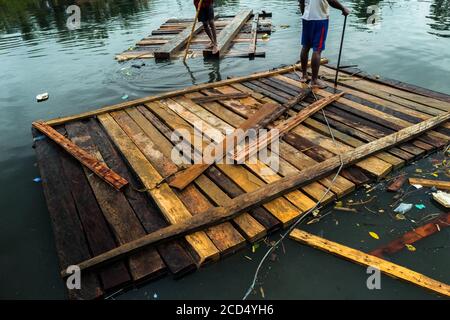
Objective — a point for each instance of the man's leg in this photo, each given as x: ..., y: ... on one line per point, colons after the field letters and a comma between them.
x: 209, y: 33
x: 304, y: 63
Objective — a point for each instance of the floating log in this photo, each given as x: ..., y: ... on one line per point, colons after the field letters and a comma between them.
x: 413, y: 236
x: 262, y: 195
x: 442, y: 185
x: 359, y: 257
x: 88, y: 160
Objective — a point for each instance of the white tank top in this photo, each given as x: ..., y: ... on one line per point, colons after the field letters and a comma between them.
x: 316, y: 10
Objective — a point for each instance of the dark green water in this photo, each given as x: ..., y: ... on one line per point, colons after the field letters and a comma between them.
x: 411, y: 42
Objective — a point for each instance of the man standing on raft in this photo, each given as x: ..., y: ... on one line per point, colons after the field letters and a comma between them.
x: 315, y: 29
x: 206, y: 16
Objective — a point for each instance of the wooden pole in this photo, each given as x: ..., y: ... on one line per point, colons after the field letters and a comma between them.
x: 192, y: 31
x: 265, y: 194
x: 340, y: 54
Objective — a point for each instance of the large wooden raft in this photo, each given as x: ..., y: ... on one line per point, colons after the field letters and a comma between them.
x: 89, y: 217
x: 237, y: 36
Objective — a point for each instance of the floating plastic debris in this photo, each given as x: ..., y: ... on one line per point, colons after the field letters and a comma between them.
x: 417, y: 186
x: 420, y: 206
x: 125, y: 97
x: 374, y: 235
x: 442, y: 197
x: 37, y: 180
x: 403, y: 208
x: 400, y: 216
x: 42, y: 97
x: 410, y: 247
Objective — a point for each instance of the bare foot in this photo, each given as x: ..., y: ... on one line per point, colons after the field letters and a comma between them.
x: 304, y: 78
x: 318, y: 84
x: 215, y: 50
x: 210, y: 45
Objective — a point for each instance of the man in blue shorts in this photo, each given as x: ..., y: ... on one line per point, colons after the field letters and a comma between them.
x: 315, y: 29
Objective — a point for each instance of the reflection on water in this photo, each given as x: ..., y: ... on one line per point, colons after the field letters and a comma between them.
x: 440, y: 14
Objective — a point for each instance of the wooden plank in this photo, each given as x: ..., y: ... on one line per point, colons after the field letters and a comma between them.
x: 254, y: 36
x: 228, y: 144
x: 173, y: 253
x: 118, y: 212
x: 226, y: 36
x: 264, y: 194
x: 359, y: 257
x: 225, y: 237
x: 442, y: 185
x: 219, y: 97
x: 194, y: 88
x: 280, y: 129
x: 98, y: 234
x: 72, y: 246
x: 413, y: 236
x: 176, y: 43
x: 248, y: 226
x: 171, y: 206
x: 98, y: 167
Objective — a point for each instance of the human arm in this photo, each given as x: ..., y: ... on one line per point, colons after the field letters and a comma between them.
x: 337, y: 5
x: 302, y: 6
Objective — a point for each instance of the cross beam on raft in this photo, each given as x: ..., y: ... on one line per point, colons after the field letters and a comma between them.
x: 88, y: 160
x: 389, y: 268
x: 171, y: 94
x: 264, y: 194
x: 226, y: 36
x: 264, y: 116
x: 284, y: 127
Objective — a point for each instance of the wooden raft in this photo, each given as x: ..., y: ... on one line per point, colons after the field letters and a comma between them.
x: 238, y: 36
x: 89, y: 217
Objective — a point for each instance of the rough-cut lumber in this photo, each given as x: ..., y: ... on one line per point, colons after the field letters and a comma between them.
x: 171, y: 206
x: 226, y: 36
x: 89, y: 161
x: 264, y: 194
x: 70, y: 246
x: 397, y: 184
x: 175, y: 93
x: 442, y: 185
x: 219, y: 97
x: 413, y: 236
x: 184, y: 178
x: 176, y: 43
x: 359, y: 257
x: 285, y: 126
x: 254, y: 36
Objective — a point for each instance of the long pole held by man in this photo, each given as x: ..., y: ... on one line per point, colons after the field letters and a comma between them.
x: 315, y: 20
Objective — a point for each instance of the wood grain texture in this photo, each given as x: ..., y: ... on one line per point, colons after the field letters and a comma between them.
x: 89, y: 161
